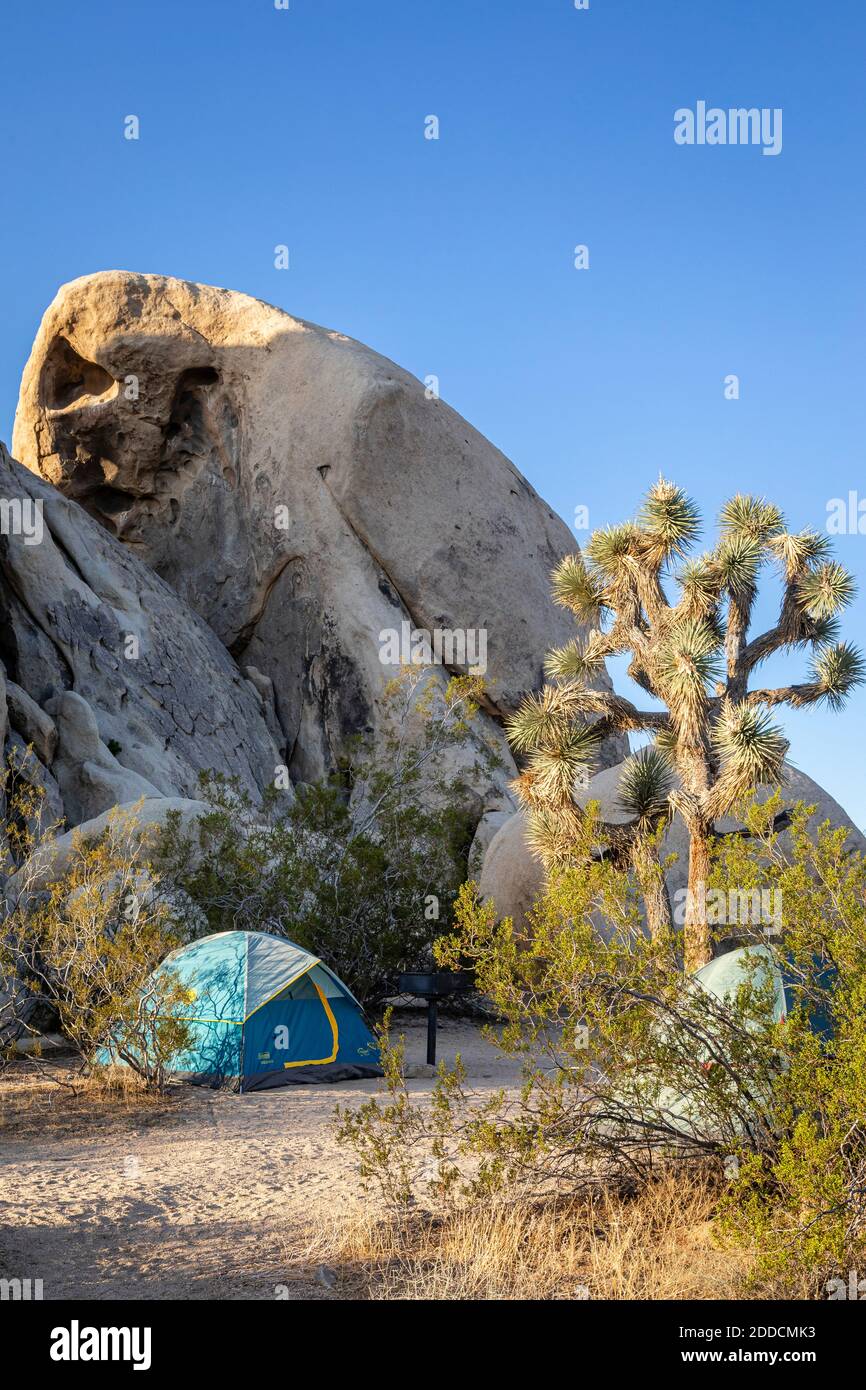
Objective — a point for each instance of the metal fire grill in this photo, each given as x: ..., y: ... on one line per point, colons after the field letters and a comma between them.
x: 434, y: 985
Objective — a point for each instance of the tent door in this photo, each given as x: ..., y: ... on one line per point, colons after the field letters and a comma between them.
x: 296, y: 1029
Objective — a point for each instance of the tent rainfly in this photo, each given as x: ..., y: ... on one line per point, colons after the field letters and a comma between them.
x: 263, y: 1012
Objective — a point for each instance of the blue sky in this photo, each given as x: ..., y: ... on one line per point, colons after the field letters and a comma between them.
x: 455, y: 257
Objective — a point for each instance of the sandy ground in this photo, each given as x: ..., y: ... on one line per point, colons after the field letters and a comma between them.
x: 216, y: 1196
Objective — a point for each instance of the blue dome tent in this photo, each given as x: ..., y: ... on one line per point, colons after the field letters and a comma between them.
x: 263, y: 1012
x: 757, y: 963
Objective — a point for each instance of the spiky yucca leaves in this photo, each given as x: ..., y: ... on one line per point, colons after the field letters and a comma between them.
x: 551, y: 836
x: 559, y: 748
x: 557, y: 765
x: 752, y: 518
x: 700, y: 581
x: 836, y: 671
x: 577, y: 588
x: 540, y: 717
x: 751, y: 751
x: 696, y: 657
x: 747, y: 524
x: 546, y: 718
x: 739, y: 560
x: 815, y: 633
x: 688, y: 665
x: 645, y: 787
x: 740, y: 557
x: 644, y: 791
x: 578, y: 661
x: 825, y: 591
x: 795, y: 552
x: 670, y: 522
x: 614, y: 560
x: 666, y: 745
x: 612, y: 551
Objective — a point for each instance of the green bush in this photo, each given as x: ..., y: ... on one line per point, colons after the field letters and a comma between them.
x: 629, y: 1066
x: 84, y: 945
x: 361, y: 869
x: 800, y: 1197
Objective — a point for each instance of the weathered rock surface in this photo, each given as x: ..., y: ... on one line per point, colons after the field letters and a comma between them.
x: 139, y: 819
x: 119, y: 687
x: 512, y: 877
x: 91, y: 777
x: 300, y: 492
x: 34, y: 725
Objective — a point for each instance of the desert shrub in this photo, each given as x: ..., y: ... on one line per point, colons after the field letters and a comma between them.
x: 800, y: 1197
x: 630, y: 1067
x: 362, y: 868
x: 85, y: 943
x: 626, y: 1062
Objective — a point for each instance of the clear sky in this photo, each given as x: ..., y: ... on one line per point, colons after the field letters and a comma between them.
x: 455, y: 257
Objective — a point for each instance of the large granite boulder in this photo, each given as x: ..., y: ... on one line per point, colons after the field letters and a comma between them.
x: 118, y: 688
x: 134, y: 822
x: 308, y: 498
x: 513, y: 878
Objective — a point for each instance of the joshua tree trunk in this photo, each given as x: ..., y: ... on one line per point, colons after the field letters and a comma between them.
x: 696, y: 931
x: 651, y: 881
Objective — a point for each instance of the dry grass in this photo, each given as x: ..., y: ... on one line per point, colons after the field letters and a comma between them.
x: 54, y: 1098
x: 658, y: 1245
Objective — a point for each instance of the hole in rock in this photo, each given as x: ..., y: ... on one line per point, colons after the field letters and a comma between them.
x: 68, y: 377
x: 111, y: 501
x: 198, y: 376
x: 187, y: 432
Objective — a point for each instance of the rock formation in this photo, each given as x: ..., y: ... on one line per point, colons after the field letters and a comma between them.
x: 119, y: 688
x: 512, y: 877
x: 302, y: 494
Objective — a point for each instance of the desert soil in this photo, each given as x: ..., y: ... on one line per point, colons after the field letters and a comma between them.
x: 212, y: 1196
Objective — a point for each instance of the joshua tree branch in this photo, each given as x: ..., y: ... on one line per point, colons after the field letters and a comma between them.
x: 795, y: 695
x: 760, y: 648
x: 791, y: 628
x: 621, y: 714
x: 652, y: 595
x: 739, y: 615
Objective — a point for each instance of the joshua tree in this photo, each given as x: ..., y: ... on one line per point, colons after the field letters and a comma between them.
x: 714, y: 741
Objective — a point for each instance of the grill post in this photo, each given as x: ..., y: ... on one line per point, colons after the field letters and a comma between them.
x: 432, y: 1021
x: 434, y: 985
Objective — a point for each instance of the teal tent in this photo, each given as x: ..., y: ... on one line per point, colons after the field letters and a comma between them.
x: 755, y: 965
x: 760, y: 964
x: 264, y: 1012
